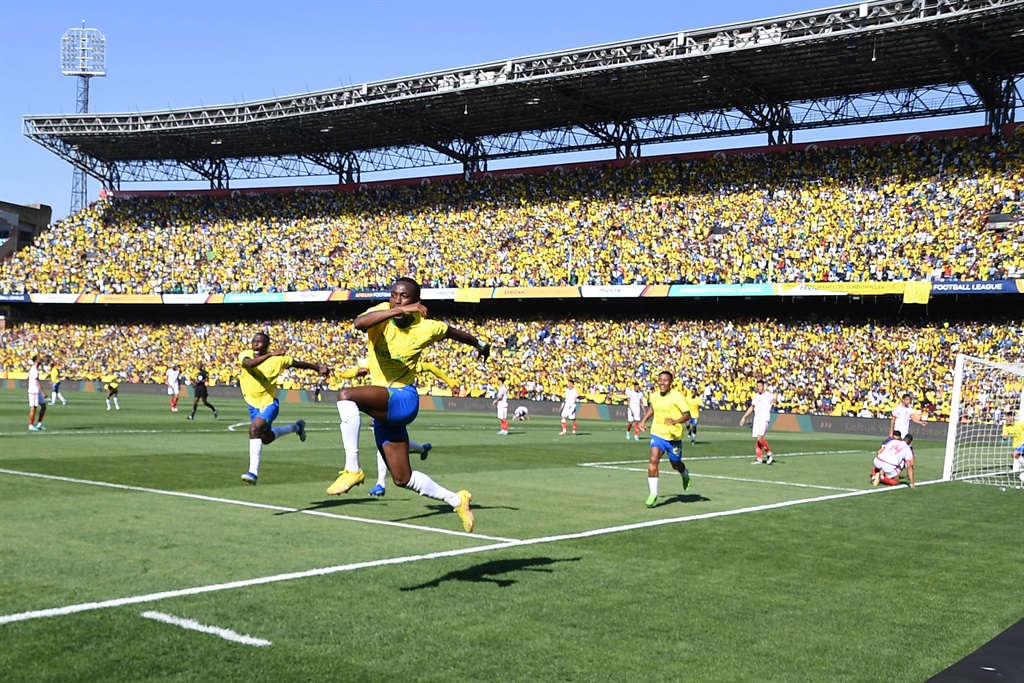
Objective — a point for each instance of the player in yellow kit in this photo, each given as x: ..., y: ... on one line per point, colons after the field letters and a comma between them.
x: 668, y: 407
x: 258, y: 380
x: 397, y: 331
x: 1014, y: 429
x: 693, y: 405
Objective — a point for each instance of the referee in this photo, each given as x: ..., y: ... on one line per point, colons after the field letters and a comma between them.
x: 200, y: 392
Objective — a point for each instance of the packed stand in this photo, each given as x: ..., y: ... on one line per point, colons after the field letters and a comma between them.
x: 889, y: 212
x: 815, y: 367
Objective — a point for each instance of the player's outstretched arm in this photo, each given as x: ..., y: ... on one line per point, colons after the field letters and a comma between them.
x: 322, y: 369
x: 466, y: 338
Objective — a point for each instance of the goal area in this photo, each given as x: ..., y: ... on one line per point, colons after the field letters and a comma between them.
x: 987, y: 397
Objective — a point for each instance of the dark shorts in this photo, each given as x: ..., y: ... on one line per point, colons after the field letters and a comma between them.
x: 201, y: 391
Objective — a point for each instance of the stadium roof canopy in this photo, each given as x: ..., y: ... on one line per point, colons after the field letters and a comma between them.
x: 856, y: 63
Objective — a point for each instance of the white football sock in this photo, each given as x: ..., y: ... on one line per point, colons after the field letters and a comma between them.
x: 652, y: 485
x: 425, y: 486
x: 382, y: 469
x: 255, y: 450
x: 348, y: 411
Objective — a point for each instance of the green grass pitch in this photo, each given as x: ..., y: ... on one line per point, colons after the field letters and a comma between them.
x: 130, y: 550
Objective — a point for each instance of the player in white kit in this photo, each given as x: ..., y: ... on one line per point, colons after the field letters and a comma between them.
x: 761, y: 406
x: 634, y: 411
x: 569, y: 403
x: 501, y: 401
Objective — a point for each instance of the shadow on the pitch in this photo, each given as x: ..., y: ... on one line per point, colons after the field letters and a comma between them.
x: 439, y: 510
x: 496, y: 572
x: 683, y: 498
x: 328, y: 504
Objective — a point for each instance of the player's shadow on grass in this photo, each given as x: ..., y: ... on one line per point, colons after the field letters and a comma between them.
x: 434, y: 510
x: 438, y: 510
x: 683, y: 498
x: 331, y: 503
x: 496, y: 572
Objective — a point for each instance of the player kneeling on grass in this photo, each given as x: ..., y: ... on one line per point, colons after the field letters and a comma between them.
x: 670, y: 414
x: 893, y: 457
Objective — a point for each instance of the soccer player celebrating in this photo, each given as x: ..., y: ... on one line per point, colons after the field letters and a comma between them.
x: 634, y: 410
x: 380, y: 488
x: 668, y: 407
x: 501, y: 401
x: 258, y: 380
x: 761, y: 406
x: 397, y: 331
x: 569, y: 404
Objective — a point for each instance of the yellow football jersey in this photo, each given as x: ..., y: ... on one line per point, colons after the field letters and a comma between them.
x: 396, y: 350
x: 1016, y: 432
x: 670, y: 405
x: 693, y: 405
x: 259, y: 384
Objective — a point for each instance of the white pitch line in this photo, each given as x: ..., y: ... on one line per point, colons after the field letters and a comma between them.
x: 192, y: 625
x: 618, y: 466
x: 245, y: 503
x: 743, y: 479
x: 165, y: 595
x: 723, y: 457
x: 780, y: 483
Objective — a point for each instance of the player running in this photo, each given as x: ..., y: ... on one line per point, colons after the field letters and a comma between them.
x: 669, y: 410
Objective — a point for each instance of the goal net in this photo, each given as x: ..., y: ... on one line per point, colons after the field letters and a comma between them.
x: 987, y: 397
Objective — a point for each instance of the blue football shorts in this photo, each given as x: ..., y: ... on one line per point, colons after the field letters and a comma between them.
x: 268, y: 413
x: 403, y: 406
x: 673, y: 449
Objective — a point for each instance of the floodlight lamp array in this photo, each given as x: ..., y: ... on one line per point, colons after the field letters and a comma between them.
x: 83, y: 52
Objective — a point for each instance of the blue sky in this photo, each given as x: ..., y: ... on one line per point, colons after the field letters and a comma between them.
x: 175, y: 54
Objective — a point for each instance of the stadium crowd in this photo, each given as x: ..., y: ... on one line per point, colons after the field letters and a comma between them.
x: 819, y: 367
x: 916, y: 210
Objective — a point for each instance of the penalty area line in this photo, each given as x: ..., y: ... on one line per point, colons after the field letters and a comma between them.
x: 192, y: 625
x: 165, y: 595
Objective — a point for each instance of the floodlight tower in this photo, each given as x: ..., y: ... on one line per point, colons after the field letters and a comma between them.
x: 83, y: 53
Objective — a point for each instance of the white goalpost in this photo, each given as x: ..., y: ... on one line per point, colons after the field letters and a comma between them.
x: 987, y: 395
